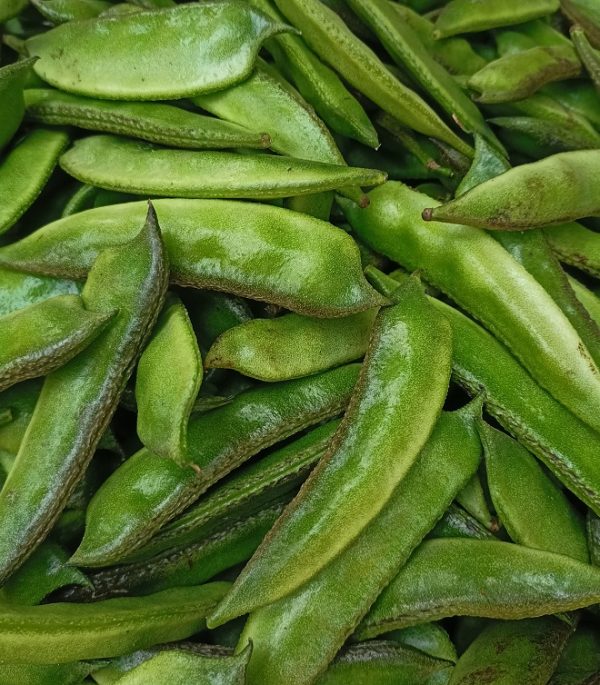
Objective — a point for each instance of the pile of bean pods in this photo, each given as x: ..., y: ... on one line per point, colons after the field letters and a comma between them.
x: 300, y: 342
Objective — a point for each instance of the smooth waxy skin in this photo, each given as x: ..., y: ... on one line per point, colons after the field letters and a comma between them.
x: 19, y: 290
x: 492, y: 579
x: 531, y: 506
x: 267, y: 349
x: 155, y: 122
x: 332, y: 603
x: 39, y: 339
x: 12, y: 81
x: 407, y: 365
x: 60, y: 633
x: 588, y: 55
x: 134, y: 167
x: 78, y: 400
x: 555, y: 190
x: 145, y: 492
x: 513, y: 652
x: 483, y: 366
x: 253, y: 250
x: 576, y: 245
x: 471, y: 16
x: 331, y: 39
x: 25, y: 170
x: 179, y: 52
x: 485, y: 280
x: 168, y: 378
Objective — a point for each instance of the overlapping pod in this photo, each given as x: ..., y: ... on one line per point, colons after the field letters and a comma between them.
x: 83, y: 393
x: 409, y: 355
x: 61, y: 11
x: 576, y: 245
x: 20, y: 290
x: 250, y: 249
x: 179, y: 52
x: 587, y: 53
x: 12, y: 81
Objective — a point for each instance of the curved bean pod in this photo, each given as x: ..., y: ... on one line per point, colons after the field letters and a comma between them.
x: 588, y: 299
x: 580, y: 95
x: 155, y: 122
x: 41, y: 338
x: 484, y: 279
x: 61, y: 11
x: 505, y: 581
x: 588, y: 55
x: 78, y: 400
x: 19, y: 290
x: 429, y: 638
x: 180, y: 51
x: 146, y: 491
x: 168, y: 378
x: 60, y: 633
x: 267, y: 349
x: 133, y: 167
x: 253, y: 250
x: 576, y: 245
x: 549, y: 136
x: 457, y: 523
x: 24, y: 172
x: 585, y: 13
x: 12, y: 81
x: 473, y: 500
x: 409, y: 355
x: 333, y: 602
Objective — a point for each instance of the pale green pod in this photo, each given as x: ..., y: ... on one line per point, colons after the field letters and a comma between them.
x: 179, y: 52
x: 12, y: 81
x: 152, y: 121
x: 588, y: 299
x: 267, y: 349
x: 169, y: 374
x: 46, y: 674
x: 61, y: 11
x: 24, y: 171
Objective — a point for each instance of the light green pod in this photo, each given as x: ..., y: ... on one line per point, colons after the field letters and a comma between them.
x: 60, y: 633
x: 429, y: 638
x: 61, y: 11
x: 19, y: 290
x: 268, y: 349
x: 519, y: 75
x: 587, y: 53
x: 531, y: 506
x: 10, y: 9
x: 472, y: 16
x: 179, y: 52
x: 336, y: 45
x: 588, y: 299
x: 509, y: 652
x: 409, y: 355
x: 472, y: 499
x: 491, y: 579
x: 42, y: 337
x: 12, y: 82
x: 25, y: 170
x: 249, y: 249
x: 139, y: 168
x: 152, y: 121
x: 549, y: 136
x: 576, y: 245
x: 45, y: 674
x: 168, y: 378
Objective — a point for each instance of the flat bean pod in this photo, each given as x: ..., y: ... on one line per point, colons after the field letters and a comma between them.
x: 473, y: 500
x: 78, y: 400
x: 549, y: 136
x: 146, y: 491
x: 42, y: 337
x: 505, y: 581
x: 12, y: 82
x: 61, y: 11
x: 155, y: 122
x: 588, y: 299
x: 410, y: 355
x: 267, y: 349
x: 334, y: 601
x: 485, y: 280
x: 587, y: 53
x: 253, y: 250
x: 180, y: 51
x: 429, y: 638
x: 24, y: 171
x: 60, y: 633
x: 576, y: 245
x: 133, y: 167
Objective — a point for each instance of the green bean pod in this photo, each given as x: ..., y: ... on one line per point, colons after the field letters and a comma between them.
x: 12, y: 82
x: 60, y: 633
x: 587, y: 53
x: 332, y: 603
x: 78, y: 400
x: 579, y: 662
x: 504, y: 581
x: 532, y: 508
x: 146, y: 492
x: 155, y: 122
x: 485, y: 280
x: 254, y: 250
x: 409, y: 355
x: 336, y: 45
x: 20, y: 290
x: 588, y: 299
x: 580, y: 96
x: 484, y: 366
x: 179, y: 52
x: 139, y: 168
x: 61, y: 11
x: 576, y: 245
x: 585, y: 13
x: 549, y: 136
x: 473, y: 500
x: 267, y: 349
x: 555, y: 190
x: 466, y: 16
x: 168, y: 378
x: 429, y: 638
x: 25, y: 171
x: 42, y: 337
x: 457, y: 523
x: 509, y: 652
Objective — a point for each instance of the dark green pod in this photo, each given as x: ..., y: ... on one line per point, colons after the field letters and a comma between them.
x: 12, y: 81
